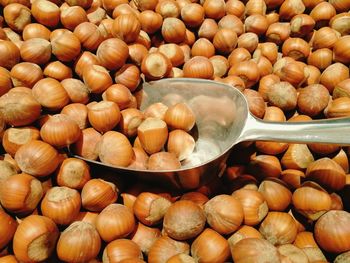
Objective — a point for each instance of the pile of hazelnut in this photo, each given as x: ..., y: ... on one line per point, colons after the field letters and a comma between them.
x: 71, y: 74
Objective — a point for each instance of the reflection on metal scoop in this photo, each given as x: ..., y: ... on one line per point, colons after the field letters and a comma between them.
x: 223, y: 120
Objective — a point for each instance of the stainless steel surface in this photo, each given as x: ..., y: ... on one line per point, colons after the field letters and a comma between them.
x: 223, y: 120
x: 332, y: 131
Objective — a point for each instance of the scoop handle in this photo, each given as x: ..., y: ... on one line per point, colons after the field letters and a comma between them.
x: 332, y: 131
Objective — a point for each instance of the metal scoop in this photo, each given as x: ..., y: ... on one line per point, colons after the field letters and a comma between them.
x: 223, y: 120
